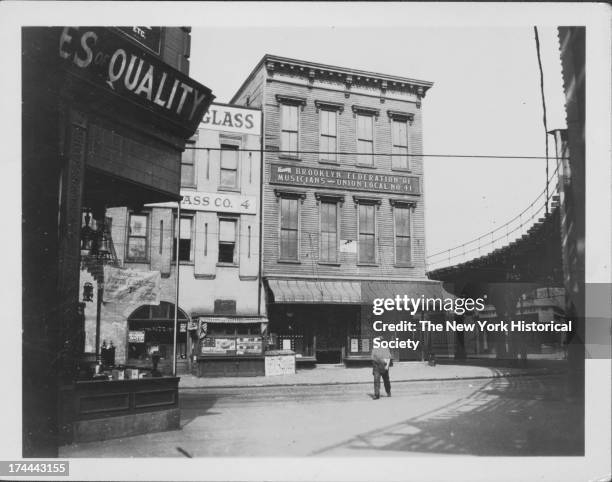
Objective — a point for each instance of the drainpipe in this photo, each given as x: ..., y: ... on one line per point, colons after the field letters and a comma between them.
x: 176, y: 299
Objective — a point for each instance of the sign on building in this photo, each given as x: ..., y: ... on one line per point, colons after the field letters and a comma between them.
x: 343, y: 179
x: 215, y: 202
x: 131, y: 286
x: 232, y: 119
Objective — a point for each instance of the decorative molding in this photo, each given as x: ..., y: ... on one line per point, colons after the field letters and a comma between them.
x: 358, y: 199
x: 348, y: 82
x: 365, y: 111
x: 329, y: 196
x: 289, y: 193
x: 291, y: 100
x: 311, y: 78
x: 270, y: 68
x: 400, y: 116
x: 324, y: 104
x: 402, y: 203
x: 420, y: 94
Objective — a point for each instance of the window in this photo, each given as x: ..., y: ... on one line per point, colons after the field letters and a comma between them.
x: 329, y: 232
x: 184, y: 239
x: 229, y: 166
x: 188, y: 163
x: 137, y: 237
x: 328, y: 137
x: 289, y: 129
x: 367, y: 233
x: 402, y: 235
x: 289, y: 228
x: 365, y: 140
x: 399, y: 136
x: 227, y: 241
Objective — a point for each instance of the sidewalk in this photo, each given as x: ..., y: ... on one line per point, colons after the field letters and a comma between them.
x: 339, y: 375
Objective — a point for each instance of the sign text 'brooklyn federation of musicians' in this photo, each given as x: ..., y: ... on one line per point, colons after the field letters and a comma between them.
x: 343, y: 179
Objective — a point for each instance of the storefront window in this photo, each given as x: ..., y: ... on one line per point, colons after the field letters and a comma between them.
x: 151, y: 330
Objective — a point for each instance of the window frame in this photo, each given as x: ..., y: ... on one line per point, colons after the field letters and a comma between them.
x: 146, y: 237
x: 191, y: 217
x: 375, y: 204
x: 193, y: 153
x: 236, y: 257
x: 298, y: 103
x: 337, y: 109
x: 337, y: 201
x: 229, y: 144
x: 299, y: 199
x: 408, y: 119
x: 409, y: 206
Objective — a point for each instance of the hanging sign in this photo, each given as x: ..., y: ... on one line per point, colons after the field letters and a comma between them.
x: 105, y: 58
x: 131, y: 286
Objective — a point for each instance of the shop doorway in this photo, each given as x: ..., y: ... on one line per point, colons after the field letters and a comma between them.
x: 151, y: 330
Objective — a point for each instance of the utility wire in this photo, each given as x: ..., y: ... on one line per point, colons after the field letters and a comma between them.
x: 537, y: 41
x: 389, y: 154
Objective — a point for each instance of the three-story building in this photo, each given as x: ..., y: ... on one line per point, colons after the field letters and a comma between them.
x: 343, y: 202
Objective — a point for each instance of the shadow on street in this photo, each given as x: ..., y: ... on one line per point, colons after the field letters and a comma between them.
x: 519, y: 416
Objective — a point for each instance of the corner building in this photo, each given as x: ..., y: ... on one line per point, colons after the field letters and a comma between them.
x: 343, y: 219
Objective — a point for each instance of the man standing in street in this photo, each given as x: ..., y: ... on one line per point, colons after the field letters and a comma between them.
x: 381, y: 360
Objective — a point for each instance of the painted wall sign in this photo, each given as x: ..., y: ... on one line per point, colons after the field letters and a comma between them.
x: 343, y: 179
x: 215, y: 202
x: 103, y: 57
x: 131, y: 286
x: 232, y: 119
x: 149, y: 37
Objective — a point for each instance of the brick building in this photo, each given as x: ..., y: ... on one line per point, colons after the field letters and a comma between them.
x: 343, y: 220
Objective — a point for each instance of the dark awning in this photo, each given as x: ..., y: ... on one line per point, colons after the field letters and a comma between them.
x: 314, y: 291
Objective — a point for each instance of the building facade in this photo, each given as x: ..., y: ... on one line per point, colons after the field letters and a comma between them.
x: 221, y: 316
x: 343, y: 202
x: 102, y: 126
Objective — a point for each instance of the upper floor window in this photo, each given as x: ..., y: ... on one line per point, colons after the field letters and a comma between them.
x: 227, y: 241
x: 403, y: 251
x: 229, y: 166
x: 137, y: 237
x: 188, y: 163
x: 289, y: 228
x: 365, y: 139
x: 328, y: 135
x: 367, y: 233
x: 289, y: 129
x: 184, y: 238
x: 399, y: 135
x: 329, y: 232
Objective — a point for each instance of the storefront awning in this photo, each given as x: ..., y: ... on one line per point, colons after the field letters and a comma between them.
x: 233, y: 319
x: 312, y: 291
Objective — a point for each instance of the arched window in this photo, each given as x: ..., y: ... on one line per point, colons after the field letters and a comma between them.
x: 151, y: 329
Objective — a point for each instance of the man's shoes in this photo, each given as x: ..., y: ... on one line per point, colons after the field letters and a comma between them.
x: 388, y: 394
x: 375, y: 397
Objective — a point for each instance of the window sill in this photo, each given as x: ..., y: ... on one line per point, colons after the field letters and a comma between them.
x: 226, y: 265
x: 189, y: 186
x: 367, y: 166
x: 137, y: 260
x: 183, y: 262
x: 367, y: 264
x: 403, y: 265
x: 288, y: 157
x: 228, y: 188
x: 329, y: 263
x: 327, y: 161
x: 289, y: 261
x: 401, y: 169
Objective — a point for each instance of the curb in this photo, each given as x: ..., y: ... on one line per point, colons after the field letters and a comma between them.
x: 540, y: 372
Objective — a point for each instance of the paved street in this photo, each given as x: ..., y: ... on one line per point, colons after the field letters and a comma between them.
x: 519, y: 415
